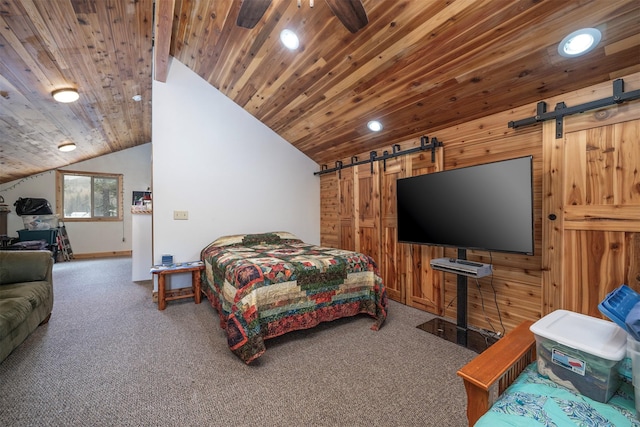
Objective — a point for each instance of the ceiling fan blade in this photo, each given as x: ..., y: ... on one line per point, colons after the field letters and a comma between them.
x: 251, y: 11
x: 350, y: 12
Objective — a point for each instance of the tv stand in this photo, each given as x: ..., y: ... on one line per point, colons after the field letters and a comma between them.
x: 461, y: 312
x: 463, y: 269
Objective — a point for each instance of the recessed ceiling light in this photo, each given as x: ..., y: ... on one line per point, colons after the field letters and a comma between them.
x: 67, y: 146
x: 374, y: 126
x: 65, y: 95
x: 579, y: 42
x: 289, y: 39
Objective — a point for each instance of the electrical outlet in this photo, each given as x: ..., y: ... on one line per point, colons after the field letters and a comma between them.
x: 180, y: 214
x: 495, y: 335
x: 490, y: 334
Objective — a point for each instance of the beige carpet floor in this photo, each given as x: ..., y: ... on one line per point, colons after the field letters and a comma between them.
x: 108, y: 357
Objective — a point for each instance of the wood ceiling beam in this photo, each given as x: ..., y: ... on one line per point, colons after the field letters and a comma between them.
x: 163, y: 20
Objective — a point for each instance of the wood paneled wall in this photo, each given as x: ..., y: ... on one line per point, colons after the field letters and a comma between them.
x: 589, y: 180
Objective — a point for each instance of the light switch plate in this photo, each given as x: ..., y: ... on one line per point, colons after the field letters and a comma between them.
x: 181, y: 215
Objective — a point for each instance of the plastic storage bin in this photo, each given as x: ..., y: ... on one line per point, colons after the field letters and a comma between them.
x: 633, y: 352
x: 40, y: 222
x: 618, y: 303
x: 47, y: 235
x: 580, y: 352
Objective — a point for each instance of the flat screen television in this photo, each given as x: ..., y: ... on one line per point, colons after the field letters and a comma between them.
x: 487, y: 207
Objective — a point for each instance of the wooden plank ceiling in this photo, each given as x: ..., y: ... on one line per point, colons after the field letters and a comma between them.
x: 418, y: 66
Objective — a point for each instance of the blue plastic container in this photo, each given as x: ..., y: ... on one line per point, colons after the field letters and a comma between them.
x: 617, y: 304
x: 48, y: 236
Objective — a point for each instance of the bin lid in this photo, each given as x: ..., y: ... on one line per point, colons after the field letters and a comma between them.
x: 618, y: 303
x: 598, y: 337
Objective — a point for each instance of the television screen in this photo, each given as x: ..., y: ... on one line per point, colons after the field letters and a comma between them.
x: 488, y: 207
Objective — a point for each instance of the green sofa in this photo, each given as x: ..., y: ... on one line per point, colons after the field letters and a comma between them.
x: 26, y: 295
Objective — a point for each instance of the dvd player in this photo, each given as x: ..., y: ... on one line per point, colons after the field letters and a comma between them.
x: 461, y: 266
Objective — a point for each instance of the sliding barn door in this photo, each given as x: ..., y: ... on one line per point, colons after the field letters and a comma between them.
x: 602, y: 212
x: 347, y: 221
x: 367, y: 203
x: 424, y: 285
x: 359, y: 212
x: 329, y: 211
x: 337, y: 213
x: 595, y: 226
x: 392, y: 255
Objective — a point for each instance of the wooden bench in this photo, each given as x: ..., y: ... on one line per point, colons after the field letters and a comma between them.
x: 488, y: 375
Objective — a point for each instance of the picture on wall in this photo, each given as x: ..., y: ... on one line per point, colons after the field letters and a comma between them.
x: 139, y: 197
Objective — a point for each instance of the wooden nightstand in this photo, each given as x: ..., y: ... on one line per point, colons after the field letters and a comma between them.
x: 195, y: 267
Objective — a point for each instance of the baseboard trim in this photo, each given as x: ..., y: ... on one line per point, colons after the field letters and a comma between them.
x: 101, y: 254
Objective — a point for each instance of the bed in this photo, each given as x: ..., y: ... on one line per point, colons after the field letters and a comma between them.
x: 265, y: 285
x: 504, y: 388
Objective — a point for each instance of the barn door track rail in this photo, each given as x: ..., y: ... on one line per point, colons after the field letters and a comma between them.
x: 561, y: 110
x: 373, y: 156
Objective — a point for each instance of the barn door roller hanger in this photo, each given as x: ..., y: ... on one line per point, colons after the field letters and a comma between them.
x: 373, y: 156
x: 561, y: 110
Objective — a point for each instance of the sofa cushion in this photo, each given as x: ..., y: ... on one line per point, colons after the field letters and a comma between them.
x: 13, y: 311
x: 35, y: 292
x: 24, y: 266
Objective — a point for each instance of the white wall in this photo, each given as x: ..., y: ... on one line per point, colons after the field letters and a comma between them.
x: 228, y: 170
x: 88, y: 237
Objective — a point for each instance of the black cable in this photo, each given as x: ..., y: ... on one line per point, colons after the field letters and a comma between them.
x: 495, y: 296
x: 451, y: 302
x: 495, y: 300
x: 482, y: 303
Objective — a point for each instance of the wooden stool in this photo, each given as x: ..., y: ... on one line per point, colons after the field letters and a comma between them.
x: 163, y: 271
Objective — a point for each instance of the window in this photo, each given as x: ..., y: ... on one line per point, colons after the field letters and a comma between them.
x: 87, y: 196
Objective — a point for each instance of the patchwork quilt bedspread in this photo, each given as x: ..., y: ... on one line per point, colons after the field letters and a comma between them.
x: 265, y: 285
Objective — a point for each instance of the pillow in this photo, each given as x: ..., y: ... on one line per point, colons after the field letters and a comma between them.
x: 254, y: 239
x: 260, y: 239
x: 227, y: 240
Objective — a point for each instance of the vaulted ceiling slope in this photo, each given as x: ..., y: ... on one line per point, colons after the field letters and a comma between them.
x: 417, y: 66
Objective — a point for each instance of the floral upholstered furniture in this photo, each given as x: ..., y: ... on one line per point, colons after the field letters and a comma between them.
x: 504, y: 388
x: 26, y: 295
